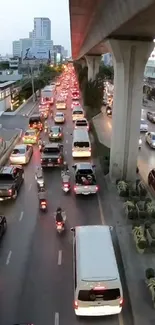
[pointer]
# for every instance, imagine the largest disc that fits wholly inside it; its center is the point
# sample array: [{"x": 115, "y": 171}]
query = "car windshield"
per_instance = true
[
  {"x": 82, "y": 144},
  {"x": 51, "y": 150},
  {"x": 59, "y": 114},
  {"x": 34, "y": 120},
  {"x": 81, "y": 123},
  {"x": 78, "y": 112},
  {"x": 31, "y": 132},
  {"x": 143, "y": 122},
  {"x": 99, "y": 295},
  {"x": 55, "y": 130},
  {"x": 18, "y": 151}
]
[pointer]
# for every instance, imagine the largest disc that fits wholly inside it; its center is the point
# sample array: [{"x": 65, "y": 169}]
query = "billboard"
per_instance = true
[{"x": 35, "y": 53}]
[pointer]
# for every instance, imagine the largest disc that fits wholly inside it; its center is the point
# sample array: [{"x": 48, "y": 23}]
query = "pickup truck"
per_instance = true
[
  {"x": 11, "y": 178},
  {"x": 85, "y": 179},
  {"x": 52, "y": 155}
]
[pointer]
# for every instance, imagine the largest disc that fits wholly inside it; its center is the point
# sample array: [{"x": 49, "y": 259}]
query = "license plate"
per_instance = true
[
  {"x": 50, "y": 165},
  {"x": 86, "y": 193},
  {"x": 59, "y": 227}
]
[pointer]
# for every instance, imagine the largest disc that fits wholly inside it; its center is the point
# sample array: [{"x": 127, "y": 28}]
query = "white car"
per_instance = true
[
  {"x": 143, "y": 126},
  {"x": 150, "y": 139},
  {"x": 21, "y": 154},
  {"x": 82, "y": 123},
  {"x": 59, "y": 117},
  {"x": 77, "y": 113}
]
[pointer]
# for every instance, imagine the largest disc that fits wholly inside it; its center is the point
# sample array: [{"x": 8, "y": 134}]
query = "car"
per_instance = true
[
  {"x": 61, "y": 103},
  {"x": 36, "y": 122},
  {"x": 82, "y": 123},
  {"x": 151, "y": 116},
  {"x": 3, "y": 225},
  {"x": 31, "y": 136},
  {"x": 52, "y": 155},
  {"x": 151, "y": 178},
  {"x": 59, "y": 117},
  {"x": 21, "y": 154},
  {"x": 55, "y": 133},
  {"x": 77, "y": 113},
  {"x": 11, "y": 179},
  {"x": 150, "y": 139},
  {"x": 143, "y": 126}
]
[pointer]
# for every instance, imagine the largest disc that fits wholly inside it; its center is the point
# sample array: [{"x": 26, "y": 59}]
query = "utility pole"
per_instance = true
[{"x": 32, "y": 80}]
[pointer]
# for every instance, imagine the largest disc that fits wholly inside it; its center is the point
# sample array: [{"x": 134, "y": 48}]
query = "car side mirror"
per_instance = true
[
  {"x": 93, "y": 166},
  {"x": 72, "y": 229},
  {"x": 71, "y": 133},
  {"x": 73, "y": 166}
]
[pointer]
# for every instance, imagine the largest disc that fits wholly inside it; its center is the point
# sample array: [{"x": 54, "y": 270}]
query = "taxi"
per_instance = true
[{"x": 31, "y": 136}]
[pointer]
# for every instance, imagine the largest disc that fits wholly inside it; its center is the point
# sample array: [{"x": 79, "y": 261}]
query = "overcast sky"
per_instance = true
[{"x": 16, "y": 21}]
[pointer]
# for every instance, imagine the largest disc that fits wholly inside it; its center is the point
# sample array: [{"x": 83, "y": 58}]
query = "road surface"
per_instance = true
[{"x": 36, "y": 280}]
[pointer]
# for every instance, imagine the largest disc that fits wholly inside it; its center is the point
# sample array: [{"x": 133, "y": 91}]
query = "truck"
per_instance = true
[
  {"x": 52, "y": 155},
  {"x": 84, "y": 179},
  {"x": 48, "y": 94},
  {"x": 11, "y": 178}
]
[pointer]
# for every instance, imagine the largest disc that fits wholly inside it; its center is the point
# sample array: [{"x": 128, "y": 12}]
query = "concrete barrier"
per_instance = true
[{"x": 9, "y": 149}]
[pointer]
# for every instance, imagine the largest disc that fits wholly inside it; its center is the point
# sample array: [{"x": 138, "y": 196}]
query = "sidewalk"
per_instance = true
[
  {"x": 28, "y": 108},
  {"x": 134, "y": 263}
]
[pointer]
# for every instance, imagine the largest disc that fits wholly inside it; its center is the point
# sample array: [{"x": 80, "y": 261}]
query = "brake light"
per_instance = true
[
  {"x": 75, "y": 304},
  {"x": 121, "y": 302},
  {"x": 23, "y": 138},
  {"x": 60, "y": 134},
  {"x": 89, "y": 149},
  {"x": 75, "y": 188},
  {"x": 10, "y": 192},
  {"x": 97, "y": 188},
  {"x": 43, "y": 203},
  {"x": 99, "y": 288},
  {"x": 66, "y": 185},
  {"x": 59, "y": 160},
  {"x": 75, "y": 127},
  {"x": 59, "y": 223}
]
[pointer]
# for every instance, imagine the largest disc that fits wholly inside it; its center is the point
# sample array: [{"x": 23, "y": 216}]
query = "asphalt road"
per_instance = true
[
  {"x": 36, "y": 281},
  {"x": 146, "y": 157}
]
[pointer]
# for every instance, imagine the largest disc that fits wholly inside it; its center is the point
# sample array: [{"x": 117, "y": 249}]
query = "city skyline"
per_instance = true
[{"x": 25, "y": 21}]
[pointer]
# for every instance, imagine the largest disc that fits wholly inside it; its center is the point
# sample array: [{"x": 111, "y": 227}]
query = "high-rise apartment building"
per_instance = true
[
  {"x": 42, "y": 28},
  {"x": 16, "y": 48}
]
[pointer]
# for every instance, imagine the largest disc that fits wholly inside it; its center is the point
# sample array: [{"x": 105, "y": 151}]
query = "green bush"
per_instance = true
[{"x": 149, "y": 273}]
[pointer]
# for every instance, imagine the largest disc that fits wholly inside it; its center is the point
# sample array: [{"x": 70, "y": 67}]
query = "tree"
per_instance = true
[
  {"x": 4, "y": 65},
  {"x": 106, "y": 72}
]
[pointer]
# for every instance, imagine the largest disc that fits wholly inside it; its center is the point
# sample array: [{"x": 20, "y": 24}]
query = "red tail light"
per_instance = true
[
  {"x": 41, "y": 160},
  {"x": 75, "y": 305},
  {"x": 59, "y": 160},
  {"x": 43, "y": 203},
  {"x": 10, "y": 192},
  {"x": 23, "y": 138},
  {"x": 75, "y": 188},
  {"x": 89, "y": 149},
  {"x": 59, "y": 223},
  {"x": 121, "y": 302},
  {"x": 60, "y": 134},
  {"x": 97, "y": 188},
  {"x": 66, "y": 185}
]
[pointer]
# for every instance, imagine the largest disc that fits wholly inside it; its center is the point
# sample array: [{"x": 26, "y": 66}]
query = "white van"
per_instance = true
[
  {"x": 97, "y": 285},
  {"x": 81, "y": 146}
]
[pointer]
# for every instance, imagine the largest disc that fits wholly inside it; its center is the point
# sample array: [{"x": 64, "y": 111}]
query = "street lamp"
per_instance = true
[{"x": 32, "y": 80}]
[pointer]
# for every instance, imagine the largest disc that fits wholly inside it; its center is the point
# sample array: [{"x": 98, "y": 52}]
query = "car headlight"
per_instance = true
[{"x": 140, "y": 141}]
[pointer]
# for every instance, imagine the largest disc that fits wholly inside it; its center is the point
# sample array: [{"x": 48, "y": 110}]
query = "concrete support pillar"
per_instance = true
[
  {"x": 83, "y": 63},
  {"x": 93, "y": 63},
  {"x": 130, "y": 58}
]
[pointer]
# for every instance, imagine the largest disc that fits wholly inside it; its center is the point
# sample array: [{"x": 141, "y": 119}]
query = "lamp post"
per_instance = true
[{"x": 32, "y": 80}]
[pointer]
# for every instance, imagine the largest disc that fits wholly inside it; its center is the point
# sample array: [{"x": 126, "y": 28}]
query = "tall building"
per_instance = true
[
  {"x": 58, "y": 49},
  {"x": 16, "y": 48},
  {"x": 43, "y": 43},
  {"x": 42, "y": 28},
  {"x": 31, "y": 34}
]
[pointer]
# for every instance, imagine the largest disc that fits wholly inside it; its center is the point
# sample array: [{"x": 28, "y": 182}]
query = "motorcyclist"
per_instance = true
[
  {"x": 39, "y": 177},
  {"x": 59, "y": 216},
  {"x": 65, "y": 169},
  {"x": 42, "y": 196}
]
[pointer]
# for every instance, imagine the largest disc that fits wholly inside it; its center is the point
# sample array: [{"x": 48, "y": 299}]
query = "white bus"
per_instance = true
[
  {"x": 81, "y": 145},
  {"x": 48, "y": 94},
  {"x": 97, "y": 285}
]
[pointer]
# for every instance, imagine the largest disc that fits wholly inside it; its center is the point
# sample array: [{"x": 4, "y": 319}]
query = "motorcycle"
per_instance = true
[
  {"x": 66, "y": 187},
  {"x": 43, "y": 205},
  {"x": 66, "y": 182},
  {"x": 60, "y": 227}
]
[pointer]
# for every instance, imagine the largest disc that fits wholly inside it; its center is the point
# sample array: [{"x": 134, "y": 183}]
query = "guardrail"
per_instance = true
[{"x": 6, "y": 154}]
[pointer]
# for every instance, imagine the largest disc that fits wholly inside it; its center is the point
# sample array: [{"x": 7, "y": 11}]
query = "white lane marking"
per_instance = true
[
  {"x": 120, "y": 319},
  {"x": 66, "y": 141},
  {"x": 65, "y": 152},
  {"x": 101, "y": 210},
  {"x": 8, "y": 258},
  {"x": 59, "y": 257},
  {"x": 21, "y": 216},
  {"x": 56, "y": 319},
  {"x": 30, "y": 187}
]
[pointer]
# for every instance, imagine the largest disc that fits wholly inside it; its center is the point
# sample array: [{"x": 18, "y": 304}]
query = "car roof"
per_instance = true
[
  {"x": 35, "y": 115},
  {"x": 84, "y": 165},
  {"x": 52, "y": 145},
  {"x": 59, "y": 113},
  {"x": 30, "y": 130},
  {"x": 7, "y": 169},
  {"x": 78, "y": 108},
  {"x": 152, "y": 133}
]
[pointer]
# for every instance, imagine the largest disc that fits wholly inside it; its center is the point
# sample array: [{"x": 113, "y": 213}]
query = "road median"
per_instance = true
[{"x": 6, "y": 153}]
